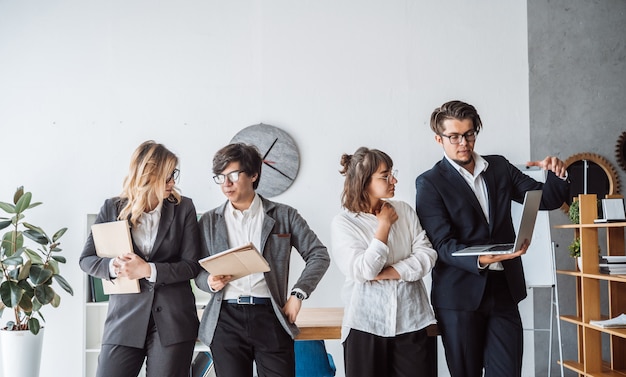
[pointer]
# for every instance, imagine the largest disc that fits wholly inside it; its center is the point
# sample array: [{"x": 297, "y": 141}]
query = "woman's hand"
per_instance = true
[
  {"x": 388, "y": 273},
  {"x": 386, "y": 216},
  {"x": 132, "y": 266}
]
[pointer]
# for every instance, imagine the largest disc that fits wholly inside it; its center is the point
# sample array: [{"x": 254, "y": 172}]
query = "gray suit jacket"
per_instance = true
[
  {"x": 283, "y": 228},
  {"x": 169, "y": 300}
]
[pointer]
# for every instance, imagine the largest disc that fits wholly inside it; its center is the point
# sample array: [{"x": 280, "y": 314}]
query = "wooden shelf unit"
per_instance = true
[{"x": 588, "y": 287}]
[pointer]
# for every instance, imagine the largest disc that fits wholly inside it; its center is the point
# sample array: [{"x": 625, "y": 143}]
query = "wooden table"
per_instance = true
[{"x": 319, "y": 323}]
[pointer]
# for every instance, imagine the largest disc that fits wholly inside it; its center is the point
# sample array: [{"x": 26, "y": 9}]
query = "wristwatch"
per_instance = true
[{"x": 298, "y": 295}]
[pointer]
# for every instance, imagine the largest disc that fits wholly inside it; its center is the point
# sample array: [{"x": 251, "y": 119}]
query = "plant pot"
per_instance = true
[
  {"x": 579, "y": 263},
  {"x": 21, "y": 353}
]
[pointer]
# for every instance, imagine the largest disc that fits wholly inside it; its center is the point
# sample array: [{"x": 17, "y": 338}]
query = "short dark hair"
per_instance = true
[
  {"x": 454, "y": 110},
  {"x": 248, "y": 156}
]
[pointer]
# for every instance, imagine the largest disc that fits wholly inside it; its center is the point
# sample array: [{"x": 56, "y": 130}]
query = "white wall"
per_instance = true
[{"x": 82, "y": 83}]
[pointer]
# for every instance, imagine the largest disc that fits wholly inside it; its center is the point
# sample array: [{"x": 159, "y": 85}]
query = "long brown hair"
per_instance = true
[
  {"x": 358, "y": 170},
  {"x": 150, "y": 166}
]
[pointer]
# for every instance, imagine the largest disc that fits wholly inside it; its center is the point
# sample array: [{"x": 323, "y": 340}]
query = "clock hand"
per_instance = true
[
  {"x": 271, "y": 146},
  {"x": 280, "y": 172}
]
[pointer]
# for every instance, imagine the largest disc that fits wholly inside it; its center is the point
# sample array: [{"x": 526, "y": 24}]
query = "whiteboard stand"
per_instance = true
[{"x": 554, "y": 304}]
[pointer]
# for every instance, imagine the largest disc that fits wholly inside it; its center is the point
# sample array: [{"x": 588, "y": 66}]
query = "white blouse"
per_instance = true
[{"x": 385, "y": 307}]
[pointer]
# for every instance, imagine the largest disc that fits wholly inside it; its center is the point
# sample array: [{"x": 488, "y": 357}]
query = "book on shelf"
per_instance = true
[
  {"x": 238, "y": 261},
  {"x": 97, "y": 290},
  {"x": 202, "y": 365},
  {"x": 617, "y": 322},
  {"x": 611, "y": 259},
  {"x": 613, "y": 271},
  {"x": 111, "y": 240}
]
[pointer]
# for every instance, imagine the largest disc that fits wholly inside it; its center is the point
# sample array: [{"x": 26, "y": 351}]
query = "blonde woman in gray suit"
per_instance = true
[{"x": 160, "y": 323}]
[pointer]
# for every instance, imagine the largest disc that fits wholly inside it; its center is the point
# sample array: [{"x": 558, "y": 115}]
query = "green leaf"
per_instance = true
[
  {"x": 64, "y": 284},
  {"x": 33, "y": 325},
  {"x": 24, "y": 271},
  {"x": 39, "y": 275},
  {"x": 26, "y": 303},
  {"x": 4, "y": 224},
  {"x": 56, "y": 301},
  {"x": 23, "y": 202},
  {"x": 37, "y": 236},
  {"x": 7, "y": 207},
  {"x": 12, "y": 241},
  {"x": 44, "y": 294},
  {"x": 33, "y": 205},
  {"x": 18, "y": 194},
  {"x": 5, "y": 294},
  {"x": 13, "y": 261},
  {"x": 33, "y": 256},
  {"x": 53, "y": 266},
  {"x": 59, "y": 258},
  {"x": 58, "y": 234},
  {"x": 11, "y": 293}
]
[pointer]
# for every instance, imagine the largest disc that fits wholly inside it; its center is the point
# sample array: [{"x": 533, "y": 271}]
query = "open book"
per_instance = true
[
  {"x": 617, "y": 322},
  {"x": 112, "y": 239},
  {"x": 238, "y": 262}
]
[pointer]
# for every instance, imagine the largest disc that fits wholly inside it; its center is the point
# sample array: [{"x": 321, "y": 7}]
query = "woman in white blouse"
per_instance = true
[{"x": 381, "y": 248}]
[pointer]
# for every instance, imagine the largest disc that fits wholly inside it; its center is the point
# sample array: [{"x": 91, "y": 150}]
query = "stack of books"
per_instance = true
[{"x": 613, "y": 264}]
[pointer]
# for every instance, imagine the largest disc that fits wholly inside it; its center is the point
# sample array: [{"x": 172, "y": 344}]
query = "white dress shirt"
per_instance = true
[
  {"x": 476, "y": 182},
  {"x": 245, "y": 227},
  {"x": 384, "y": 307},
  {"x": 144, "y": 235}
]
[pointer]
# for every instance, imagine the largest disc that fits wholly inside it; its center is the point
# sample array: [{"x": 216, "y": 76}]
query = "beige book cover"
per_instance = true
[
  {"x": 238, "y": 261},
  {"x": 112, "y": 239}
]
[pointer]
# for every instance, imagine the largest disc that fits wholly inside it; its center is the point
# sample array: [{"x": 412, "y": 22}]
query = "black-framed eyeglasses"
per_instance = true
[
  {"x": 173, "y": 176},
  {"x": 233, "y": 177},
  {"x": 456, "y": 138},
  {"x": 390, "y": 176}
]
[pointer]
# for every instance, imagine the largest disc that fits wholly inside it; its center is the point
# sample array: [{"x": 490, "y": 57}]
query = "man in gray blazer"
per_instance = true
[{"x": 252, "y": 318}]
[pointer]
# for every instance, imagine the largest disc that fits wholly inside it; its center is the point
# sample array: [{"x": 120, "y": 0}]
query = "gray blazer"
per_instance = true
[
  {"x": 169, "y": 300},
  {"x": 283, "y": 228}
]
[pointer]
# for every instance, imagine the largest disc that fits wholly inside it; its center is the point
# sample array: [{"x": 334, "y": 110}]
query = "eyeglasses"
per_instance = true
[
  {"x": 173, "y": 176},
  {"x": 233, "y": 177},
  {"x": 389, "y": 177},
  {"x": 456, "y": 138}
]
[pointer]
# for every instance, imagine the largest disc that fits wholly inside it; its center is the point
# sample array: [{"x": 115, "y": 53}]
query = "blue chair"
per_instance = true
[{"x": 312, "y": 360}]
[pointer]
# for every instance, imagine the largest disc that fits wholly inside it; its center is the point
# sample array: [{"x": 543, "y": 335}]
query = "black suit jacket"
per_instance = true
[
  {"x": 170, "y": 299},
  {"x": 453, "y": 219}
]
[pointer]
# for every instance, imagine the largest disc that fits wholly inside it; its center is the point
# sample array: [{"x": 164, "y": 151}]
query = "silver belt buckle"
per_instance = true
[{"x": 247, "y": 300}]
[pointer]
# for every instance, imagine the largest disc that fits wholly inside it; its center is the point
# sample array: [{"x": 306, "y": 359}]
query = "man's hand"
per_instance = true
[
  {"x": 488, "y": 259},
  {"x": 218, "y": 282},
  {"x": 292, "y": 308},
  {"x": 550, "y": 163}
]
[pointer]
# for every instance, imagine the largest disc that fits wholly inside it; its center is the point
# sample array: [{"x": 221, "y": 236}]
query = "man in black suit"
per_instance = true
[{"x": 464, "y": 200}]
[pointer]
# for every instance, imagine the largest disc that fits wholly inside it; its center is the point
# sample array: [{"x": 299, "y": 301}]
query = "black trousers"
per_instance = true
[
  {"x": 490, "y": 337},
  {"x": 367, "y": 355},
  {"x": 249, "y": 333},
  {"x": 161, "y": 361}
]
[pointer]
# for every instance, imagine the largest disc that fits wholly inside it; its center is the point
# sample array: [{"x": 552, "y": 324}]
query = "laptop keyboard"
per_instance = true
[{"x": 503, "y": 247}]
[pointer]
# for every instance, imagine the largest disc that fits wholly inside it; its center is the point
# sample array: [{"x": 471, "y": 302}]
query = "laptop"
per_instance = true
[{"x": 526, "y": 227}]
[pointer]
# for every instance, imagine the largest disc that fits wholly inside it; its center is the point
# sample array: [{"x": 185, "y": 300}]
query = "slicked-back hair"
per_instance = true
[
  {"x": 150, "y": 166},
  {"x": 358, "y": 169},
  {"x": 248, "y": 156},
  {"x": 454, "y": 110}
]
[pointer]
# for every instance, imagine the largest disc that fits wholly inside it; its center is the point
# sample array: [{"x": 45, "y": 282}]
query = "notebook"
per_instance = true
[{"x": 526, "y": 227}]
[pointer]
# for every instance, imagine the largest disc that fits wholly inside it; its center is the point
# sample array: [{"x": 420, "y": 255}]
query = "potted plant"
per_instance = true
[{"x": 26, "y": 276}]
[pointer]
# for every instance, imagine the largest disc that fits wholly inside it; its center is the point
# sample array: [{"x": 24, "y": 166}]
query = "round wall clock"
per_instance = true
[
  {"x": 620, "y": 150},
  {"x": 281, "y": 159}
]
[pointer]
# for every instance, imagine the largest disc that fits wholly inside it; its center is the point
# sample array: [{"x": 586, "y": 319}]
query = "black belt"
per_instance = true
[{"x": 250, "y": 300}]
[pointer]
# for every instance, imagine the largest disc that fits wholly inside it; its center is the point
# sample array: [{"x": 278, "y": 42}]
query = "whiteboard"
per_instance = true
[{"x": 537, "y": 261}]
